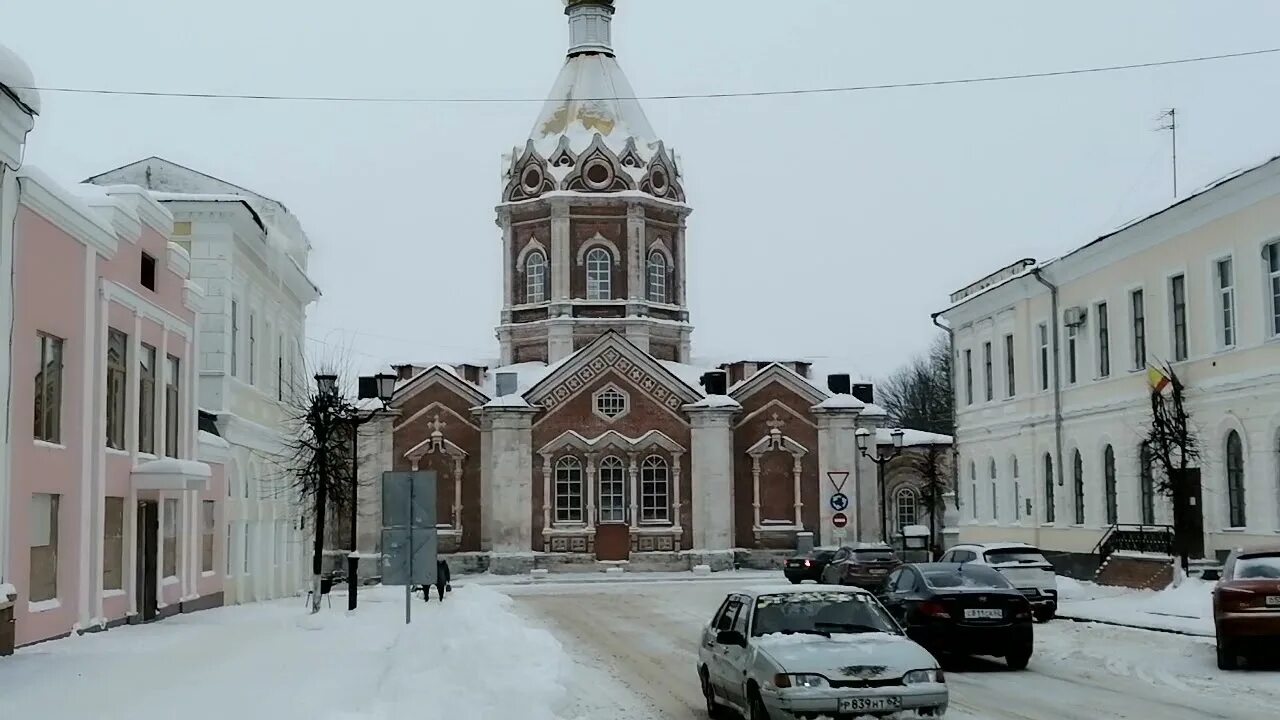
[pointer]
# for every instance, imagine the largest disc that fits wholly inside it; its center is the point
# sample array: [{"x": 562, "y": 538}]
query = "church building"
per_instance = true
[{"x": 595, "y": 436}]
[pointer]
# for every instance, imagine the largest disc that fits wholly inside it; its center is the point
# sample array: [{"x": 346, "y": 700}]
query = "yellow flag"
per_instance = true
[{"x": 1157, "y": 379}]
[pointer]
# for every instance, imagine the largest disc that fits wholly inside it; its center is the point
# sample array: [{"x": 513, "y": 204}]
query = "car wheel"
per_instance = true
[
  {"x": 755, "y": 706},
  {"x": 794, "y": 580},
  {"x": 1044, "y": 616},
  {"x": 715, "y": 711},
  {"x": 1227, "y": 659},
  {"x": 1019, "y": 659}
]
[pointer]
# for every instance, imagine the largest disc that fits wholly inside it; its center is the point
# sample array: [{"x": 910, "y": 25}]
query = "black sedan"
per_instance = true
[
  {"x": 962, "y": 609},
  {"x": 808, "y": 566}
]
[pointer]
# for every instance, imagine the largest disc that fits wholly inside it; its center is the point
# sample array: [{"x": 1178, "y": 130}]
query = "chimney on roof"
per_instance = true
[
  {"x": 715, "y": 382},
  {"x": 838, "y": 384},
  {"x": 864, "y": 392},
  {"x": 505, "y": 384}
]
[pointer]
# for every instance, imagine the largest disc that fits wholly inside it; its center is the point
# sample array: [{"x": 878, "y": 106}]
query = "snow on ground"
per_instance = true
[
  {"x": 579, "y": 578},
  {"x": 1186, "y": 607},
  {"x": 469, "y": 658}
]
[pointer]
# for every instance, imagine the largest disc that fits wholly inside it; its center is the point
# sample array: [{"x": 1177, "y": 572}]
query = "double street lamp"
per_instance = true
[
  {"x": 864, "y": 438},
  {"x": 379, "y": 387}
]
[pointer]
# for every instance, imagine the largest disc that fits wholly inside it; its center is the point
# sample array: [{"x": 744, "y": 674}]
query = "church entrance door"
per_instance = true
[{"x": 613, "y": 533}]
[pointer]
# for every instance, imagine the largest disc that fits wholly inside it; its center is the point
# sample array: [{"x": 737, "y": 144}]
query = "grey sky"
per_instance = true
[{"x": 824, "y": 225}]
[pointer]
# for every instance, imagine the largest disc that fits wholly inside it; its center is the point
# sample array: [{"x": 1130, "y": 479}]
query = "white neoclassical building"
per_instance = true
[
  {"x": 1051, "y": 388},
  {"x": 250, "y": 254}
]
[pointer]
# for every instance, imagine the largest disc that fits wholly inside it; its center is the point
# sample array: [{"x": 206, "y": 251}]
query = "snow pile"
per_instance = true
[
  {"x": 468, "y": 658},
  {"x": 1186, "y": 607}
]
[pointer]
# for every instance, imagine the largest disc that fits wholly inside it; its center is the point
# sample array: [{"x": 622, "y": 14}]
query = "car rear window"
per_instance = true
[
  {"x": 874, "y": 556},
  {"x": 823, "y": 555},
  {"x": 1022, "y": 556},
  {"x": 966, "y": 576},
  {"x": 1258, "y": 567}
]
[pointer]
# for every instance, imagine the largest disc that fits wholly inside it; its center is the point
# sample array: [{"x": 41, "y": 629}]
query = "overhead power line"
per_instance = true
[{"x": 689, "y": 96}]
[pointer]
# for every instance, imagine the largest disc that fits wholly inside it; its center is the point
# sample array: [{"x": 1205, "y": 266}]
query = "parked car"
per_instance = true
[
  {"x": 964, "y": 609},
  {"x": 814, "y": 650},
  {"x": 863, "y": 565},
  {"x": 808, "y": 566},
  {"x": 1246, "y": 606},
  {"x": 1021, "y": 564}
]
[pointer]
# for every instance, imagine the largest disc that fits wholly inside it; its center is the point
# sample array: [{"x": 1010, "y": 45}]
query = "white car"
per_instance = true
[
  {"x": 810, "y": 651},
  {"x": 1022, "y": 565}
]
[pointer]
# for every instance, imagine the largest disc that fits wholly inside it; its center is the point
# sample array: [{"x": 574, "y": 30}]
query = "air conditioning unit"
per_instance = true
[{"x": 1074, "y": 316}]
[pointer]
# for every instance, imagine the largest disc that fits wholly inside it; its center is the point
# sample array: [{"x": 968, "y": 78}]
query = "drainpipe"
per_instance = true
[
  {"x": 1057, "y": 376},
  {"x": 955, "y": 428}
]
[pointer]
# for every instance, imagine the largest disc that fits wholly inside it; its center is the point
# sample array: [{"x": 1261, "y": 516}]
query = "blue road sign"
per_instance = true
[{"x": 839, "y": 502}]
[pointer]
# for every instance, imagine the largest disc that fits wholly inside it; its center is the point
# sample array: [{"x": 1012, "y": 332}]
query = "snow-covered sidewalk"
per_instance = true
[
  {"x": 469, "y": 658},
  {"x": 1186, "y": 608}
]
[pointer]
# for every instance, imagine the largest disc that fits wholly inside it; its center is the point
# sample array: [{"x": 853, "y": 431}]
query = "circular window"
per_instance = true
[
  {"x": 658, "y": 179},
  {"x": 532, "y": 178},
  {"x": 598, "y": 174}
]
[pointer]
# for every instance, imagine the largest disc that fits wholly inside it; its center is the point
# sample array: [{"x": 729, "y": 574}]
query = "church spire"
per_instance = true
[{"x": 590, "y": 24}]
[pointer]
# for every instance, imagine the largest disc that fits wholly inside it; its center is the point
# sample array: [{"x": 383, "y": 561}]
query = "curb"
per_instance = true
[
  {"x": 625, "y": 579},
  {"x": 1112, "y": 623}
]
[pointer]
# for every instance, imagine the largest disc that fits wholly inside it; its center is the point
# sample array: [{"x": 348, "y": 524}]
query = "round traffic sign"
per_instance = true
[
  {"x": 839, "y": 519},
  {"x": 839, "y": 502}
]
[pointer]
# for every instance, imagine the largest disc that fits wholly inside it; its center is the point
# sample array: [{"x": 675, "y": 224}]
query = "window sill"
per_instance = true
[
  {"x": 117, "y": 452},
  {"x": 1234, "y": 530},
  {"x": 171, "y": 580},
  {"x": 43, "y": 606},
  {"x": 113, "y": 593},
  {"x": 208, "y": 574},
  {"x": 147, "y": 456},
  {"x": 49, "y": 445}
]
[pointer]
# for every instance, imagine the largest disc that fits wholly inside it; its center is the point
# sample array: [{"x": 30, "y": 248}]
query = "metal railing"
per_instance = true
[{"x": 1136, "y": 538}]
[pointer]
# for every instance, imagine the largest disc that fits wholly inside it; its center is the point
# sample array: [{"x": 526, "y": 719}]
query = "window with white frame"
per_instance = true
[
  {"x": 147, "y": 399},
  {"x": 169, "y": 563},
  {"x": 995, "y": 493},
  {"x": 117, "y": 387},
  {"x": 613, "y": 491},
  {"x": 1273, "y": 275},
  {"x": 1017, "y": 490},
  {"x": 1237, "y": 518},
  {"x": 655, "y": 490},
  {"x": 1050, "y": 508},
  {"x": 1104, "y": 341},
  {"x": 1078, "y": 478},
  {"x": 1010, "y": 371},
  {"x": 1042, "y": 338},
  {"x": 208, "y": 524},
  {"x": 42, "y": 527},
  {"x": 568, "y": 490},
  {"x": 907, "y": 503},
  {"x": 1146, "y": 484},
  {"x": 968, "y": 377},
  {"x": 988, "y": 374},
  {"x": 247, "y": 547},
  {"x": 1178, "y": 307},
  {"x": 657, "y": 285},
  {"x": 599, "y": 274},
  {"x": 113, "y": 544},
  {"x": 173, "y": 406},
  {"x": 1109, "y": 485},
  {"x": 1224, "y": 277},
  {"x": 227, "y": 550},
  {"x": 1138, "y": 315},
  {"x": 1072, "y": 335},
  {"x": 48, "y": 395},
  {"x": 611, "y": 403},
  {"x": 535, "y": 277},
  {"x": 973, "y": 487}
]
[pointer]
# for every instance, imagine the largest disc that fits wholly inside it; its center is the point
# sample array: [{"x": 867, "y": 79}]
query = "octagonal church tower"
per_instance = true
[{"x": 592, "y": 215}]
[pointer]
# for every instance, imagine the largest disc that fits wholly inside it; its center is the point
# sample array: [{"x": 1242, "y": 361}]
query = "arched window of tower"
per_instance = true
[
  {"x": 599, "y": 274},
  {"x": 535, "y": 277},
  {"x": 657, "y": 277}
]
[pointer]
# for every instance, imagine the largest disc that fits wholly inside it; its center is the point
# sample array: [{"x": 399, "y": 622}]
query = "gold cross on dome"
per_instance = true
[{"x": 776, "y": 422}]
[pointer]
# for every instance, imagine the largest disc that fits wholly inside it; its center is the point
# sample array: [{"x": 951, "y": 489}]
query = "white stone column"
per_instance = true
[
  {"x": 755, "y": 492},
  {"x": 559, "y": 339},
  {"x": 636, "y": 256},
  {"x": 457, "y": 496},
  {"x": 511, "y": 479},
  {"x": 837, "y": 460},
  {"x": 681, "y": 264},
  {"x": 546, "y": 491},
  {"x": 867, "y": 507},
  {"x": 799, "y": 501},
  {"x": 634, "y": 472},
  {"x": 508, "y": 263},
  {"x": 560, "y": 264},
  {"x": 590, "y": 518},
  {"x": 711, "y": 472},
  {"x": 486, "y": 479},
  {"x": 676, "y": 503}
]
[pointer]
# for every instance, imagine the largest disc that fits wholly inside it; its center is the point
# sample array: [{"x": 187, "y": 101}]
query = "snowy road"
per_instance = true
[{"x": 636, "y": 645}]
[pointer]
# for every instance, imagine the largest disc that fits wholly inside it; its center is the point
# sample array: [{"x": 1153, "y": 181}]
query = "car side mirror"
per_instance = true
[{"x": 731, "y": 637}]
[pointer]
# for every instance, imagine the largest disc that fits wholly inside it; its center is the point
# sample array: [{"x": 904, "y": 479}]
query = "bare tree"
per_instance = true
[
  {"x": 919, "y": 394},
  {"x": 1173, "y": 448},
  {"x": 930, "y": 463}
]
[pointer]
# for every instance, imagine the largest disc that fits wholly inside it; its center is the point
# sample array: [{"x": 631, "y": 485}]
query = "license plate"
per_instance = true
[
  {"x": 878, "y": 572},
  {"x": 869, "y": 704},
  {"x": 1273, "y": 601},
  {"x": 983, "y": 613}
]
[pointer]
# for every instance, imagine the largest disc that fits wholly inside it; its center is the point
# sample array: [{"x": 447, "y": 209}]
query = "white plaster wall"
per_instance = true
[
  {"x": 511, "y": 480},
  {"x": 711, "y": 465},
  {"x": 837, "y": 452}
]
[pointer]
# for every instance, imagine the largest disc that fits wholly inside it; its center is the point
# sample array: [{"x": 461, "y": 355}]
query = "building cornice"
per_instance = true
[{"x": 46, "y": 198}]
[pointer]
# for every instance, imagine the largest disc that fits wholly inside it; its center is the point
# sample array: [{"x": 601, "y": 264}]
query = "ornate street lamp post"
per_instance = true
[{"x": 864, "y": 440}]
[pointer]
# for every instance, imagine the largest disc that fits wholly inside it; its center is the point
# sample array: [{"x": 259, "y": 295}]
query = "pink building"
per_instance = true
[{"x": 111, "y": 520}]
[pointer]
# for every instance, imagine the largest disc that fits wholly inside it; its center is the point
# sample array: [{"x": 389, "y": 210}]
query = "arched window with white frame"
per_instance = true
[
  {"x": 1109, "y": 485},
  {"x": 657, "y": 284},
  {"x": 655, "y": 490},
  {"x": 1017, "y": 489},
  {"x": 1050, "y": 508},
  {"x": 613, "y": 491},
  {"x": 973, "y": 487},
  {"x": 599, "y": 274},
  {"x": 535, "y": 277},
  {"x": 995, "y": 492},
  {"x": 568, "y": 496},
  {"x": 1237, "y": 517},
  {"x": 906, "y": 502}
]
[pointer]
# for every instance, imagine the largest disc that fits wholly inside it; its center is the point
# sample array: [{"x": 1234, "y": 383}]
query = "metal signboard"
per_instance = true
[{"x": 409, "y": 531}]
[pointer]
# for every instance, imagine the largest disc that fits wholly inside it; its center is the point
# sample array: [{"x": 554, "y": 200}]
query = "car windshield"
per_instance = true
[
  {"x": 819, "y": 613},
  {"x": 966, "y": 576},
  {"x": 1258, "y": 567},
  {"x": 873, "y": 556},
  {"x": 1021, "y": 556}
]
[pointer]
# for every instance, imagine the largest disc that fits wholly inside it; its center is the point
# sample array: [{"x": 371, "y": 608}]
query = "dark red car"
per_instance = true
[{"x": 1246, "y": 606}]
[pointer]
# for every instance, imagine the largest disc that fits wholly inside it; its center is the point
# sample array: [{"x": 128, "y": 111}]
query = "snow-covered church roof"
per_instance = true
[{"x": 16, "y": 77}]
